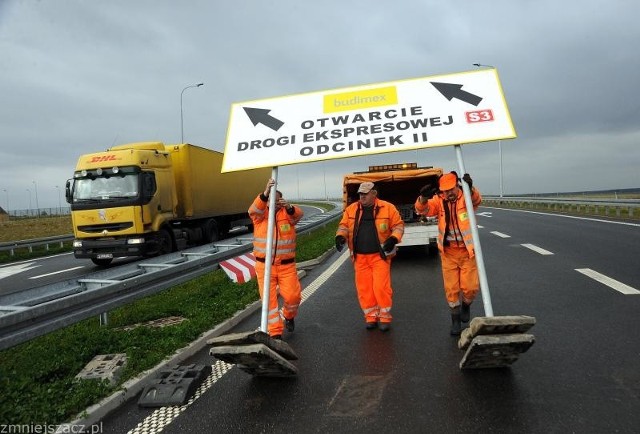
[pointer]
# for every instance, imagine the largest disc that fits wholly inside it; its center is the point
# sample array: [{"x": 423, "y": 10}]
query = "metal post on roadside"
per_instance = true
[
  {"x": 269, "y": 253},
  {"x": 181, "y": 111},
  {"x": 37, "y": 204},
  {"x": 484, "y": 283},
  {"x": 256, "y": 352}
]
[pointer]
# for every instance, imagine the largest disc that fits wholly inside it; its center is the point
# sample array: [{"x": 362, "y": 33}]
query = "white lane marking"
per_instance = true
[
  {"x": 611, "y": 283},
  {"x": 160, "y": 418},
  {"x": 500, "y": 234},
  {"x": 56, "y": 272},
  {"x": 484, "y": 214},
  {"x": 569, "y": 217},
  {"x": 6, "y": 271},
  {"x": 537, "y": 249}
]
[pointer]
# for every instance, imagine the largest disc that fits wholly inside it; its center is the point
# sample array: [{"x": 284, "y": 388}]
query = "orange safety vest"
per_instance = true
[
  {"x": 284, "y": 236},
  {"x": 386, "y": 217},
  {"x": 461, "y": 227}
]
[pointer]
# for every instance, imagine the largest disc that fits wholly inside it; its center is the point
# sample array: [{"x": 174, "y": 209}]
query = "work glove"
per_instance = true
[
  {"x": 428, "y": 191},
  {"x": 388, "y": 245},
  {"x": 468, "y": 180},
  {"x": 340, "y": 240}
]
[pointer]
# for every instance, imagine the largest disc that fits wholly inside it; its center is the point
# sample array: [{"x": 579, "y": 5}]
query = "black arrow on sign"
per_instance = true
[
  {"x": 451, "y": 91},
  {"x": 261, "y": 116}
]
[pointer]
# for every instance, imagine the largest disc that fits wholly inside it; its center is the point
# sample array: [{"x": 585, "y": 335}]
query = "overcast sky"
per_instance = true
[{"x": 78, "y": 76}]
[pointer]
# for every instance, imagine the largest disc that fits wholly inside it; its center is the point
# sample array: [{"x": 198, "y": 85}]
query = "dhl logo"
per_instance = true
[{"x": 103, "y": 158}]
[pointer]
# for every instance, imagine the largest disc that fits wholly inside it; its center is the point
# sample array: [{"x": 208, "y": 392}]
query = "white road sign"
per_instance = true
[{"x": 444, "y": 110}]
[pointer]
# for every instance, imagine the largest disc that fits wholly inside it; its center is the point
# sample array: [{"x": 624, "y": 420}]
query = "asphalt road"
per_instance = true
[{"x": 581, "y": 376}]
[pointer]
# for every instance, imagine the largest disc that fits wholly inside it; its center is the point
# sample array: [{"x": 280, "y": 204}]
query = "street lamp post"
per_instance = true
[
  {"x": 59, "y": 202},
  {"x": 181, "y": 111},
  {"x": 37, "y": 204},
  {"x": 29, "y": 201},
  {"x": 480, "y": 65},
  {"x": 501, "y": 183},
  {"x": 7, "y": 194}
]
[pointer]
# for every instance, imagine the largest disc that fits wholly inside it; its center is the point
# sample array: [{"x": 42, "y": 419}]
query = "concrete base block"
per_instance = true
[
  {"x": 255, "y": 337},
  {"x": 104, "y": 367},
  {"x": 495, "y": 325},
  {"x": 495, "y": 351},
  {"x": 255, "y": 359}
]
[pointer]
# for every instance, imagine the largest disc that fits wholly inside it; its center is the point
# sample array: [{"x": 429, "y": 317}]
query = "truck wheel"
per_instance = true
[
  {"x": 211, "y": 232},
  {"x": 101, "y": 262},
  {"x": 165, "y": 243},
  {"x": 223, "y": 230}
]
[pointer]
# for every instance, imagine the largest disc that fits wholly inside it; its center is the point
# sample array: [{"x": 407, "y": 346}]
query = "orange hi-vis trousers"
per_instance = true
[
  {"x": 460, "y": 274},
  {"x": 373, "y": 284},
  {"x": 284, "y": 283}
]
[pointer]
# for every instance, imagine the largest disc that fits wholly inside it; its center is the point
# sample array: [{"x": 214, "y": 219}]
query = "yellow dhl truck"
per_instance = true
[
  {"x": 150, "y": 198},
  {"x": 399, "y": 184}
]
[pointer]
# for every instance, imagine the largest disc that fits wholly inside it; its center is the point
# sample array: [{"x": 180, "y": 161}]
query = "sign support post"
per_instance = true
[
  {"x": 490, "y": 342},
  {"x": 255, "y": 352},
  {"x": 269, "y": 254},
  {"x": 484, "y": 284}
]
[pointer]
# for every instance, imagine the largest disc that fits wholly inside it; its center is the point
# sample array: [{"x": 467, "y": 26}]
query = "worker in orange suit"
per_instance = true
[
  {"x": 284, "y": 281},
  {"x": 372, "y": 227},
  {"x": 455, "y": 242}
]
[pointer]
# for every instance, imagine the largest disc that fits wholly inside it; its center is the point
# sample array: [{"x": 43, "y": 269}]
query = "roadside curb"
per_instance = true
[{"x": 129, "y": 389}]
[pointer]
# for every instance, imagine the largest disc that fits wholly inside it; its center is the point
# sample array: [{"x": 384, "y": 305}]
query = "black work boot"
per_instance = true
[
  {"x": 465, "y": 312},
  {"x": 290, "y": 324},
  {"x": 456, "y": 326}
]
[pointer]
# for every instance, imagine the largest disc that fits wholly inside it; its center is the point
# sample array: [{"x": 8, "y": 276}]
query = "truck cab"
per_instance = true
[{"x": 119, "y": 200}]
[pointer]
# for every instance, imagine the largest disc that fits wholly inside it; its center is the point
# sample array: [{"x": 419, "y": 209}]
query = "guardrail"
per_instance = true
[
  {"x": 620, "y": 207},
  {"x": 37, "y": 311},
  {"x": 11, "y": 246}
]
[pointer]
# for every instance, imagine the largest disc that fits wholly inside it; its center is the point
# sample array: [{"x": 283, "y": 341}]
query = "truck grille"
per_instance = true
[{"x": 108, "y": 227}]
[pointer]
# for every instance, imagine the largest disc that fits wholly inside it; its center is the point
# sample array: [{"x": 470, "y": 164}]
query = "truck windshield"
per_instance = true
[{"x": 102, "y": 187}]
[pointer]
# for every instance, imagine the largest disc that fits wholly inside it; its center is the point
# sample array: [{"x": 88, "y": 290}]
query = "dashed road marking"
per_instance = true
[
  {"x": 537, "y": 249},
  {"x": 55, "y": 272},
  {"x": 611, "y": 283},
  {"x": 500, "y": 234}
]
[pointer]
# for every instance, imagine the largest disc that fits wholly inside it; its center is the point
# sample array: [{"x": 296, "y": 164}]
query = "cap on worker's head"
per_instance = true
[
  {"x": 448, "y": 181},
  {"x": 366, "y": 187}
]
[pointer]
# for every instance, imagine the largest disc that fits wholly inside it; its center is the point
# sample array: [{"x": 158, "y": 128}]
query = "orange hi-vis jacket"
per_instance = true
[
  {"x": 459, "y": 223},
  {"x": 284, "y": 234},
  {"x": 387, "y": 220}
]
